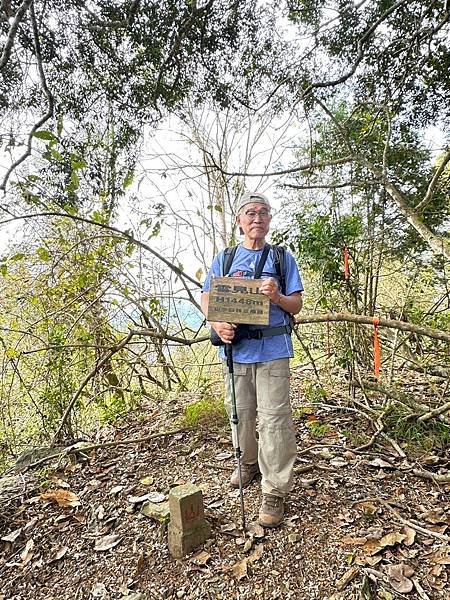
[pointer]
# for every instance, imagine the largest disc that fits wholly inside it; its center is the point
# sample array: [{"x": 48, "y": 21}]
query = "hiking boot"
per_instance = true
[
  {"x": 271, "y": 512},
  {"x": 248, "y": 474}
]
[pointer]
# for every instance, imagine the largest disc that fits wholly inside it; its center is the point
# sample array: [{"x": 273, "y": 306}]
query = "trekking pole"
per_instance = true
[{"x": 234, "y": 427}]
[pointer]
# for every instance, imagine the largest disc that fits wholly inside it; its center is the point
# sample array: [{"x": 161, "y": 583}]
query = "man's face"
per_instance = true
[{"x": 254, "y": 218}]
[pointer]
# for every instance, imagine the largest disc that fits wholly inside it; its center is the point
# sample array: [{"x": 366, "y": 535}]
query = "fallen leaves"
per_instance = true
[
  {"x": 435, "y": 516},
  {"x": 12, "y": 537},
  {"x": 240, "y": 569},
  {"x": 61, "y": 497},
  {"x": 372, "y": 547},
  {"x": 346, "y": 578},
  {"x": 399, "y": 575},
  {"x": 223, "y": 456},
  {"x": 309, "y": 538},
  {"x": 147, "y": 480},
  {"x": 256, "y": 530},
  {"x": 441, "y": 556},
  {"x": 154, "y": 497},
  {"x": 201, "y": 558},
  {"x": 350, "y": 540},
  {"x": 410, "y": 535},
  {"x": 59, "y": 554},
  {"x": 27, "y": 553},
  {"x": 257, "y": 554},
  {"x": 107, "y": 542},
  {"x": 379, "y": 463}
]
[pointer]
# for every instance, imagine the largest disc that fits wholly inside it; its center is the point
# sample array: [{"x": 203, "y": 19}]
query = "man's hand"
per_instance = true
[
  {"x": 269, "y": 287},
  {"x": 225, "y": 331},
  {"x": 290, "y": 304}
]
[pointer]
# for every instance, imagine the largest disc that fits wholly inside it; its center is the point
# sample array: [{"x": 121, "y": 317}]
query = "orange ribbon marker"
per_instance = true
[
  {"x": 376, "y": 348},
  {"x": 346, "y": 264}
]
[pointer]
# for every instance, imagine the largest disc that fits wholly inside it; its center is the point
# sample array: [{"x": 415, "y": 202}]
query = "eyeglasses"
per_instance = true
[{"x": 252, "y": 214}]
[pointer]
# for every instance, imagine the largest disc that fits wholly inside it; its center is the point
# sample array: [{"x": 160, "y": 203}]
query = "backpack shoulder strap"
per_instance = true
[
  {"x": 230, "y": 252},
  {"x": 262, "y": 261},
  {"x": 228, "y": 256},
  {"x": 279, "y": 262}
]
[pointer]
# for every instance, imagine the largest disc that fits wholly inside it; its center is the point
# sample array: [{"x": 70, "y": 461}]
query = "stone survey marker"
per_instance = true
[
  {"x": 237, "y": 300},
  {"x": 187, "y": 527}
]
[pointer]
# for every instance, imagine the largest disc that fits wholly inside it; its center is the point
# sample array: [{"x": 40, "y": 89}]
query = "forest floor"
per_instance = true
[{"x": 358, "y": 525}]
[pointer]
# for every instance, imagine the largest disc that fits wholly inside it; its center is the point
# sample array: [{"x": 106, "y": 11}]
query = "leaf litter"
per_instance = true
[{"x": 313, "y": 555}]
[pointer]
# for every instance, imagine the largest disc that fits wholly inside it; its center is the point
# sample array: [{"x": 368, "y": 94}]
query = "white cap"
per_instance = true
[{"x": 251, "y": 197}]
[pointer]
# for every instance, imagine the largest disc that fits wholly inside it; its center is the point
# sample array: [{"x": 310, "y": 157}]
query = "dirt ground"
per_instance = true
[{"x": 358, "y": 524}]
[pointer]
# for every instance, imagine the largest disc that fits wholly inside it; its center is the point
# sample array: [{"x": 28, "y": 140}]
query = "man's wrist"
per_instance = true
[{"x": 278, "y": 300}]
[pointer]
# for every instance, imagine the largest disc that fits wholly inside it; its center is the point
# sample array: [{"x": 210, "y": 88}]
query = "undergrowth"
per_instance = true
[
  {"x": 317, "y": 429},
  {"x": 205, "y": 413},
  {"x": 414, "y": 435}
]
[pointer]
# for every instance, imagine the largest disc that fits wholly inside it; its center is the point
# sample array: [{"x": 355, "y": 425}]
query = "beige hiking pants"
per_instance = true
[{"x": 262, "y": 391}]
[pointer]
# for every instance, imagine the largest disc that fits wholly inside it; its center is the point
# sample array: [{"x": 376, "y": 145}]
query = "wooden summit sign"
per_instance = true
[{"x": 237, "y": 300}]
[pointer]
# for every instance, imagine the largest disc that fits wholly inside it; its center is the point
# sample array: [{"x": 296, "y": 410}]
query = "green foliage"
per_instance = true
[
  {"x": 302, "y": 411},
  {"x": 318, "y": 242},
  {"x": 356, "y": 436},
  {"x": 305, "y": 11},
  {"x": 114, "y": 406},
  {"x": 317, "y": 429},
  {"x": 64, "y": 309},
  {"x": 205, "y": 414},
  {"x": 416, "y": 437},
  {"x": 45, "y": 135},
  {"x": 58, "y": 386},
  {"x": 115, "y": 67},
  {"x": 314, "y": 392}
]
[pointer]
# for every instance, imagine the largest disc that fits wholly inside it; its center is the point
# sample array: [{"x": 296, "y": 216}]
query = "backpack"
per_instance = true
[{"x": 278, "y": 259}]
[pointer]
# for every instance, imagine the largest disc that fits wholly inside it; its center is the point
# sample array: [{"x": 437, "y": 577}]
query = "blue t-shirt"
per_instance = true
[{"x": 244, "y": 264}]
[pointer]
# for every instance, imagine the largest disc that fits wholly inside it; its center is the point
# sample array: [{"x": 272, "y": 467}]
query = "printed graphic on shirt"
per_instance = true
[{"x": 241, "y": 274}]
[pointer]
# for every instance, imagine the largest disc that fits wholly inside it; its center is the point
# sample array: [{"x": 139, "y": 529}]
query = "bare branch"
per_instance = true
[
  {"x": 440, "y": 410},
  {"x": 82, "y": 447},
  {"x": 169, "y": 338},
  {"x": 121, "y": 344},
  {"x": 307, "y": 167},
  {"x": 331, "y": 186},
  {"x": 13, "y": 31},
  {"x": 438, "y": 244},
  {"x": 367, "y": 320},
  {"x": 418, "y": 528},
  {"x": 85, "y": 381},
  {"x": 50, "y": 101},
  {"x": 433, "y": 183},
  {"x": 359, "y": 54},
  {"x": 122, "y": 24}
]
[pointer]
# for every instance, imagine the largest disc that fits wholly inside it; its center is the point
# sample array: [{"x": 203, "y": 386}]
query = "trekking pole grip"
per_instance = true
[{"x": 229, "y": 355}]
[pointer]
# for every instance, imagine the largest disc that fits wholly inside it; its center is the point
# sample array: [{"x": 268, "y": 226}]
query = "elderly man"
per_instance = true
[{"x": 261, "y": 363}]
